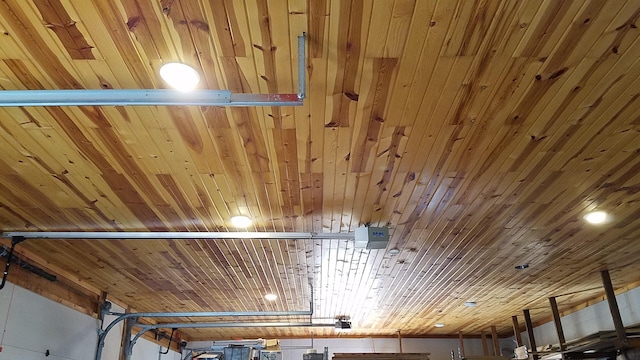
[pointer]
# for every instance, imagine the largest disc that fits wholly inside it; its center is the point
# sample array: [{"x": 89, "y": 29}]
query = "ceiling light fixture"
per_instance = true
[
  {"x": 522, "y": 266},
  {"x": 596, "y": 217},
  {"x": 180, "y": 76},
  {"x": 439, "y": 325},
  {"x": 470, "y": 304},
  {"x": 271, "y": 297},
  {"x": 394, "y": 251},
  {"x": 241, "y": 221}
]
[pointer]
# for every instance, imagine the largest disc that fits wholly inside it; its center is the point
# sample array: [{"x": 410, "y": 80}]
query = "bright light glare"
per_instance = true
[
  {"x": 439, "y": 325},
  {"x": 271, "y": 297},
  {"x": 596, "y": 217},
  {"x": 180, "y": 76},
  {"x": 241, "y": 221}
]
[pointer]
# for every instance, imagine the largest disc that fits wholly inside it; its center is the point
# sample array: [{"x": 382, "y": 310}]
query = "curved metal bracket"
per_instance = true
[{"x": 14, "y": 241}]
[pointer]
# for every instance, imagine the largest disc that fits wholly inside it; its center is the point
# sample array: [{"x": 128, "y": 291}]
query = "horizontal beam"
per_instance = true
[
  {"x": 142, "y": 97},
  {"x": 147, "y": 327},
  {"x": 213, "y": 314},
  {"x": 139, "y": 235}
]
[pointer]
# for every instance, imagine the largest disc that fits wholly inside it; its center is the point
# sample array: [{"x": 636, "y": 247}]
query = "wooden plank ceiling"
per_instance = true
[{"x": 480, "y": 132}]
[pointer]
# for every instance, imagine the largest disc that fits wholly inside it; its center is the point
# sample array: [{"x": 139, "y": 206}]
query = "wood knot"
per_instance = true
[
  {"x": 133, "y": 22},
  {"x": 351, "y": 96}
]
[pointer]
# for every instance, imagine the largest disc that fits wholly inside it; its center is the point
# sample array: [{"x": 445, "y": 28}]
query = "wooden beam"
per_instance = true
[
  {"x": 496, "y": 341},
  {"x": 485, "y": 345},
  {"x": 532, "y": 338},
  {"x": 102, "y": 299},
  {"x": 516, "y": 330},
  {"x": 613, "y": 307},
  {"x": 400, "y": 341},
  {"x": 556, "y": 319},
  {"x": 63, "y": 290},
  {"x": 461, "y": 344}
]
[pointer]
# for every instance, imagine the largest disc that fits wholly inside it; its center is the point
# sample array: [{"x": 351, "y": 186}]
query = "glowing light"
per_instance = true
[
  {"x": 596, "y": 217},
  {"x": 241, "y": 221},
  {"x": 180, "y": 76}
]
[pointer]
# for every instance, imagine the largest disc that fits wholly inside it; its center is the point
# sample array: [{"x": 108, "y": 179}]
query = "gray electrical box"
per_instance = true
[{"x": 372, "y": 237}]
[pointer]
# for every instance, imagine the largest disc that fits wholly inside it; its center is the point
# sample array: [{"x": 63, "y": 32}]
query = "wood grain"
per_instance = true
[{"x": 480, "y": 132}]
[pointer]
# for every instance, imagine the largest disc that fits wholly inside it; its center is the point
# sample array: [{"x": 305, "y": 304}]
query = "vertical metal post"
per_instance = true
[
  {"x": 516, "y": 330},
  {"x": 463, "y": 355},
  {"x": 613, "y": 307},
  {"x": 400, "y": 341},
  {"x": 301, "y": 67},
  {"x": 127, "y": 344},
  {"x": 496, "y": 341},
  {"x": 532, "y": 338},
  {"x": 485, "y": 345},
  {"x": 556, "y": 319}
]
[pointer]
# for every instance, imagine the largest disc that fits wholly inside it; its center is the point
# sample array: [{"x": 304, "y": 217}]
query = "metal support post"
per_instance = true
[
  {"x": 516, "y": 330},
  {"x": 127, "y": 343},
  {"x": 613, "y": 308},
  {"x": 532, "y": 339},
  {"x": 556, "y": 319},
  {"x": 485, "y": 345},
  {"x": 496, "y": 341}
]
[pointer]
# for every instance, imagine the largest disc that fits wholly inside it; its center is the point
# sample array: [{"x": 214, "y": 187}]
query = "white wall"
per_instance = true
[
  {"x": 31, "y": 324},
  {"x": 590, "y": 320},
  {"x": 440, "y": 349}
]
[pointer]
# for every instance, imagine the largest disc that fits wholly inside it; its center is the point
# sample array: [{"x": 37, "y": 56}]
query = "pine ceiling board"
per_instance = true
[{"x": 467, "y": 201}]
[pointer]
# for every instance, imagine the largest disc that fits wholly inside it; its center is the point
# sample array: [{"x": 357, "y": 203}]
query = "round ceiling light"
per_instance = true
[
  {"x": 470, "y": 303},
  {"x": 180, "y": 76},
  {"x": 271, "y": 297},
  {"x": 596, "y": 217},
  {"x": 241, "y": 221},
  {"x": 393, "y": 251},
  {"x": 439, "y": 325}
]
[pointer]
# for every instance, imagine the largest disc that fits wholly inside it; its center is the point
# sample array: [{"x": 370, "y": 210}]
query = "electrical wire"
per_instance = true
[
  {"x": 168, "y": 346},
  {"x": 6, "y": 319}
]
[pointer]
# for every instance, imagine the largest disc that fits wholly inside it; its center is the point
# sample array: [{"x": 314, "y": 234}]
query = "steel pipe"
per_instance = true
[
  {"x": 301, "y": 68},
  {"x": 142, "y": 97},
  {"x": 135, "y": 235}
]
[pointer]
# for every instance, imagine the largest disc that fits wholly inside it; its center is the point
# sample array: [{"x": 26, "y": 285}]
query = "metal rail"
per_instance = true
[
  {"x": 159, "y": 97},
  {"x": 131, "y": 319},
  {"x": 135, "y": 235}
]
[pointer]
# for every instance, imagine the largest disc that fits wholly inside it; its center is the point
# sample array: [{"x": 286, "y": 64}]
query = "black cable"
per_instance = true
[
  {"x": 14, "y": 241},
  {"x": 169, "y": 346}
]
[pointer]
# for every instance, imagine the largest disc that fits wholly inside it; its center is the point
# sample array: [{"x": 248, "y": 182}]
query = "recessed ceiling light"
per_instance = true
[
  {"x": 439, "y": 325},
  {"x": 470, "y": 303},
  {"x": 241, "y": 221},
  {"x": 271, "y": 297},
  {"x": 596, "y": 217},
  {"x": 394, "y": 251},
  {"x": 180, "y": 76}
]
